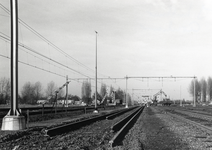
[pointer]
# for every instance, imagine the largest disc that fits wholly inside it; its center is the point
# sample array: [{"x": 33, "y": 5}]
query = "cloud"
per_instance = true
[{"x": 151, "y": 37}]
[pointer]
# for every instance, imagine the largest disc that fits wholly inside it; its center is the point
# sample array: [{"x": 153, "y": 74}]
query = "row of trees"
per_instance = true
[
  {"x": 4, "y": 90},
  {"x": 32, "y": 92},
  {"x": 203, "y": 89},
  {"x": 87, "y": 98}
]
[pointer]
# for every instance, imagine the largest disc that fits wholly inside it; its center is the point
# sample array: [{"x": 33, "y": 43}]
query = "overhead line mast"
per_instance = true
[
  {"x": 148, "y": 77},
  {"x": 14, "y": 120},
  {"x": 96, "y": 111}
]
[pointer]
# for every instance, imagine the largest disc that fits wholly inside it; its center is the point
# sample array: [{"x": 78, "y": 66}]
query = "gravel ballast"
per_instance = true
[
  {"x": 93, "y": 136},
  {"x": 154, "y": 130}
]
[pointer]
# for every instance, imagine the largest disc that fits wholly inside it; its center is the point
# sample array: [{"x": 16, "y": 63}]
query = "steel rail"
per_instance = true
[
  {"x": 195, "y": 114},
  {"x": 203, "y": 127},
  {"x": 118, "y": 113},
  {"x": 208, "y": 129},
  {"x": 119, "y": 136},
  {"x": 76, "y": 125},
  {"x": 117, "y": 126},
  {"x": 192, "y": 113},
  {"x": 206, "y": 109}
]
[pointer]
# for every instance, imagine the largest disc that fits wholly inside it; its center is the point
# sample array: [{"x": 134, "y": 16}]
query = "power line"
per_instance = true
[
  {"x": 42, "y": 69},
  {"x": 30, "y": 49},
  {"x": 41, "y": 59},
  {"x": 49, "y": 42},
  {"x": 100, "y": 78},
  {"x": 75, "y": 79},
  {"x": 35, "y": 66},
  {"x": 45, "y": 39},
  {"x": 160, "y": 77}
]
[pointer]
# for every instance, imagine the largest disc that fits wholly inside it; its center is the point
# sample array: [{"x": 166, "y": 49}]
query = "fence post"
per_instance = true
[
  {"x": 27, "y": 118},
  {"x": 42, "y": 109},
  {"x": 85, "y": 110}
]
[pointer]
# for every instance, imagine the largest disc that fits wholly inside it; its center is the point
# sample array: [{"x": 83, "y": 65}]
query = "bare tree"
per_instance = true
[
  {"x": 111, "y": 94},
  {"x": 51, "y": 88},
  {"x": 203, "y": 86},
  {"x": 61, "y": 93},
  {"x": 86, "y": 89},
  {"x": 120, "y": 94},
  {"x": 209, "y": 88},
  {"x": 28, "y": 93},
  {"x": 129, "y": 99},
  {"x": 38, "y": 90},
  {"x": 5, "y": 88},
  {"x": 111, "y": 90},
  {"x": 103, "y": 90},
  {"x": 197, "y": 89},
  {"x": 86, "y": 92}
]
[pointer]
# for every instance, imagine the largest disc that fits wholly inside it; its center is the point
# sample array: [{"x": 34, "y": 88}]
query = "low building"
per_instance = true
[
  {"x": 42, "y": 101},
  {"x": 69, "y": 102}
]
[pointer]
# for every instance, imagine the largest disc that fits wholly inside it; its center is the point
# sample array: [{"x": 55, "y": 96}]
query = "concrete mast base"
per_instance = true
[
  {"x": 13, "y": 123},
  {"x": 96, "y": 111}
]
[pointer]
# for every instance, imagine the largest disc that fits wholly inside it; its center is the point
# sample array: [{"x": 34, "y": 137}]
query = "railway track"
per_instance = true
[
  {"x": 200, "y": 108},
  {"x": 76, "y": 125},
  {"x": 123, "y": 126},
  {"x": 190, "y": 113},
  {"x": 195, "y": 115},
  {"x": 199, "y": 125},
  {"x": 91, "y": 133},
  {"x": 204, "y": 111},
  {"x": 188, "y": 117}
]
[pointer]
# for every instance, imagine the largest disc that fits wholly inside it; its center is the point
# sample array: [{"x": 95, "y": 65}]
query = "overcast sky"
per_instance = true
[{"x": 135, "y": 38}]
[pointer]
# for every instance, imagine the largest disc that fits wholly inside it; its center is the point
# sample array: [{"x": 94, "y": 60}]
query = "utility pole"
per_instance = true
[
  {"x": 96, "y": 110},
  {"x": 126, "y": 97},
  {"x": 180, "y": 98},
  {"x": 14, "y": 120},
  {"x": 114, "y": 96},
  {"x": 132, "y": 98},
  {"x": 194, "y": 92},
  {"x": 67, "y": 91}
]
